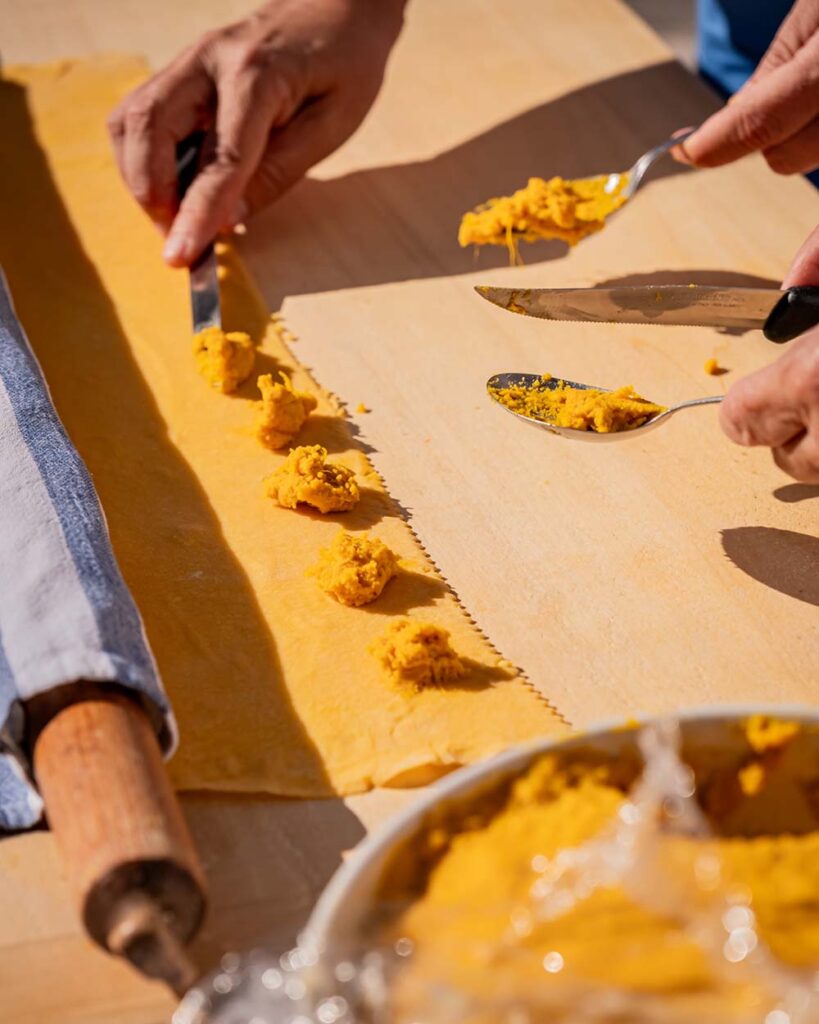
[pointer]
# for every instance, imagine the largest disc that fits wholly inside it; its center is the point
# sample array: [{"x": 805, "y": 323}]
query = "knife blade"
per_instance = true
[
  {"x": 206, "y": 310},
  {"x": 782, "y": 315}
]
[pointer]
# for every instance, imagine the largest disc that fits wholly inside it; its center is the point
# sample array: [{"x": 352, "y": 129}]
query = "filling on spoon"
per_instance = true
[
  {"x": 557, "y": 208},
  {"x": 562, "y": 405}
]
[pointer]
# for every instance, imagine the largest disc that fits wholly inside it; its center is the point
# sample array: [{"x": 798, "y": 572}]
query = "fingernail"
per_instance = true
[
  {"x": 680, "y": 155},
  {"x": 177, "y": 250},
  {"x": 678, "y": 152}
]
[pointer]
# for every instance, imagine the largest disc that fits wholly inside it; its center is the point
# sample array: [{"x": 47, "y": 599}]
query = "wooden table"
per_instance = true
[{"x": 669, "y": 571}]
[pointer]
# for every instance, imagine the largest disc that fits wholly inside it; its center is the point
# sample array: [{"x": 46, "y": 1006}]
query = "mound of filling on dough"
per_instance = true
[
  {"x": 282, "y": 411},
  {"x": 579, "y": 408},
  {"x": 417, "y": 654},
  {"x": 557, "y": 208},
  {"x": 683, "y": 941},
  {"x": 354, "y": 570},
  {"x": 224, "y": 360},
  {"x": 307, "y": 478}
]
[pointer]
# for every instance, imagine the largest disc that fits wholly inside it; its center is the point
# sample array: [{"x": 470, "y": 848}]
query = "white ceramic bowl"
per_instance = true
[{"x": 342, "y": 911}]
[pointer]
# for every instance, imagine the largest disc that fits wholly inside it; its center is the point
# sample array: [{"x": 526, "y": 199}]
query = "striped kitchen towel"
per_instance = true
[{"x": 65, "y": 611}]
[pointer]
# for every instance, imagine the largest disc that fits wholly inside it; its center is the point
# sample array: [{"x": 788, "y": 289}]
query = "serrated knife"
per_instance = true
[
  {"x": 781, "y": 315},
  {"x": 206, "y": 310}
]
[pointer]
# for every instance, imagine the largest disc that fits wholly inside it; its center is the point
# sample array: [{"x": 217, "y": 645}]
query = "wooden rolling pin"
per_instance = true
[{"x": 129, "y": 857}]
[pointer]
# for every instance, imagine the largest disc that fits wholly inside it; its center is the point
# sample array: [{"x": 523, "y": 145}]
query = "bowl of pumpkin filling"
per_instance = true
[{"x": 660, "y": 870}]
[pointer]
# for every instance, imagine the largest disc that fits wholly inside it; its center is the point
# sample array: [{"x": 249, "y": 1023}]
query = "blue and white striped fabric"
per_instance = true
[{"x": 65, "y": 611}]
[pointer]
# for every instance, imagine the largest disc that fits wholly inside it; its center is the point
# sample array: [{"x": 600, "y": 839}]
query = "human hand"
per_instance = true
[
  {"x": 776, "y": 112},
  {"x": 804, "y": 270},
  {"x": 281, "y": 90},
  {"x": 778, "y": 406}
]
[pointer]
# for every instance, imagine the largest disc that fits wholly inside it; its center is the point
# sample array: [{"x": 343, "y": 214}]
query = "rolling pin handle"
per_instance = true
[
  {"x": 796, "y": 312},
  {"x": 125, "y": 846},
  {"x": 140, "y": 932}
]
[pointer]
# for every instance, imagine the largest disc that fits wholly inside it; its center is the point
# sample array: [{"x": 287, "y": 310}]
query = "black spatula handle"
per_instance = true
[
  {"x": 190, "y": 154},
  {"x": 795, "y": 313}
]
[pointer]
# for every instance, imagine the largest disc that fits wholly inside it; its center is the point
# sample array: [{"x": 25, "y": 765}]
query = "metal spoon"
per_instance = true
[
  {"x": 634, "y": 175},
  {"x": 640, "y": 168},
  {"x": 529, "y": 380}
]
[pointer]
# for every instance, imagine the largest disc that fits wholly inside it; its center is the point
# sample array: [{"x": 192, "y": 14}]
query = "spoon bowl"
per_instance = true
[
  {"x": 627, "y": 182},
  {"x": 531, "y": 380}
]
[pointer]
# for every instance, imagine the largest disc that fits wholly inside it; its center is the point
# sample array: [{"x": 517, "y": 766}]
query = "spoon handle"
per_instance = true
[
  {"x": 710, "y": 400},
  {"x": 638, "y": 171}
]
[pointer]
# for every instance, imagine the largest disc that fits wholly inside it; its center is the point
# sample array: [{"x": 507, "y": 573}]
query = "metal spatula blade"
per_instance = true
[{"x": 204, "y": 283}]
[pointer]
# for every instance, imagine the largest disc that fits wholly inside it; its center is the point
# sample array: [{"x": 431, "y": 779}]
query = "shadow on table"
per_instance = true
[
  {"x": 720, "y": 278},
  {"x": 266, "y": 860},
  {"x": 796, "y": 492},
  {"x": 781, "y": 559},
  {"x": 395, "y": 223},
  {"x": 408, "y": 590}
]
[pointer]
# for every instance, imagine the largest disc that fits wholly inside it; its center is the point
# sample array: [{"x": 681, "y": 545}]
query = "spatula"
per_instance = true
[{"x": 204, "y": 282}]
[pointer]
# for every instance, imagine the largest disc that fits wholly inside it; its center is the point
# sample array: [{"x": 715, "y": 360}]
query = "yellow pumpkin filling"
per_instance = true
[
  {"x": 224, "y": 360},
  {"x": 282, "y": 412},
  {"x": 544, "y": 209},
  {"x": 712, "y": 367},
  {"x": 417, "y": 654},
  {"x": 765, "y": 733},
  {"x": 307, "y": 478},
  {"x": 578, "y": 408},
  {"x": 706, "y": 928},
  {"x": 355, "y": 569}
]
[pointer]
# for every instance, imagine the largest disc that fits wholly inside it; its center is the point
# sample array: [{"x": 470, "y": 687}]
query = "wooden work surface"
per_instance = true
[{"x": 662, "y": 572}]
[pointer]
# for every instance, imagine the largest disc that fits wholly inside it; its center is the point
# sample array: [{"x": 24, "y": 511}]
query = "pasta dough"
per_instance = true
[{"x": 271, "y": 683}]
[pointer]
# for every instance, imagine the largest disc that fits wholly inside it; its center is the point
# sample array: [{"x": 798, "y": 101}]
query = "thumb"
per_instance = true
[
  {"x": 760, "y": 410},
  {"x": 773, "y": 406}
]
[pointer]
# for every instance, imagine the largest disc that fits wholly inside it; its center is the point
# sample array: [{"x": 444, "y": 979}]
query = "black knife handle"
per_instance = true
[{"x": 796, "y": 311}]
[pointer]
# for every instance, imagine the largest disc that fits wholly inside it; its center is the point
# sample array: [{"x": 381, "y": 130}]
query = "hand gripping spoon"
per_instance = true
[{"x": 531, "y": 380}]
